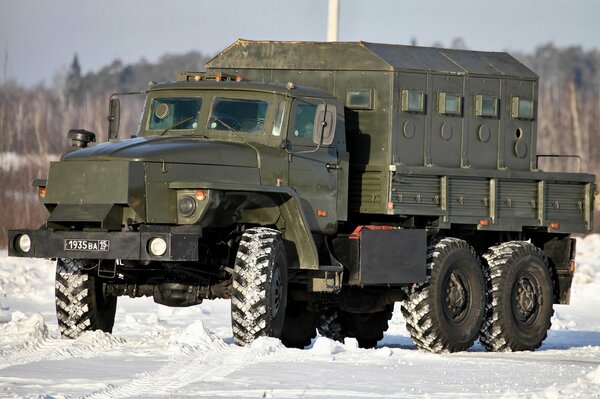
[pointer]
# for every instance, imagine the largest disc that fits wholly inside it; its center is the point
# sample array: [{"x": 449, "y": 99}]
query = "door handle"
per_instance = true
[{"x": 332, "y": 166}]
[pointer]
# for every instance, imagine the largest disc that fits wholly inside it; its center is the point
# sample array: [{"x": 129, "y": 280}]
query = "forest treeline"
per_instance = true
[{"x": 34, "y": 121}]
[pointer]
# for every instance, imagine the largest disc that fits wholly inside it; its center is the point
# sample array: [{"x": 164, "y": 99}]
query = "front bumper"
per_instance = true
[{"x": 121, "y": 245}]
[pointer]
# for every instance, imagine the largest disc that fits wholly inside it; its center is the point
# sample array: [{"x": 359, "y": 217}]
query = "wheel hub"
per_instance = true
[
  {"x": 526, "y": 298},
  {"x": 456, "y": 296},
  {"x": 277, "y": 292}
]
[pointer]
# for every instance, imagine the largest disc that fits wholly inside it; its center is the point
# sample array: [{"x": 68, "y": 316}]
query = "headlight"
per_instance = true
[
  {"x": 192, "y": 205},
  {"x": 157, "y": 246},
  {"x": 187, "y": 205},
  {"x": 23, "y": 243}
]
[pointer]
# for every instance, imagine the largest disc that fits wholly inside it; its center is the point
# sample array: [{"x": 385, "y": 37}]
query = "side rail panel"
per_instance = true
[{"x": 559, "y": 202}]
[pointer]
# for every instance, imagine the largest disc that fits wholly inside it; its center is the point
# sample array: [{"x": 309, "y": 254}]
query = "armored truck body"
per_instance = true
[{"x": 316, "y": 184}]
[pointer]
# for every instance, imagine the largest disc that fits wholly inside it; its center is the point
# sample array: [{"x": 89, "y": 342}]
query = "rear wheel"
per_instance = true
[
  {"x": 259, "y": 295},
  {"x": 446, "y": 313},
  {"x": 80, "y": 302},
  {"x": 520, "y": 302}
]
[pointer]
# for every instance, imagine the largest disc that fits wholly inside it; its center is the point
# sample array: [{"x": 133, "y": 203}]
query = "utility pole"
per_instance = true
[
  {"x": 333, "y": 20},
  {"x": 5, "y": 63}
]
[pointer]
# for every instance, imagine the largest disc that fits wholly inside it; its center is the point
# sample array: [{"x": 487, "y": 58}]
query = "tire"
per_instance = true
[
  {"x": 80, "y": 303},
  {"x": 367, "y": 328},
  {"x": 446, "y": 313},
  {"x": 259, "y": 286},
  {"x": 330, "y": 326},
  {"x": 520, "y": 292},
  {"x": 300, "y": 325}
]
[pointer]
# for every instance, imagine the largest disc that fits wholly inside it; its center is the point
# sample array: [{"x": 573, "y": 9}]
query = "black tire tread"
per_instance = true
[
  {"x": 495, "y": 335},
  {"x": 417, "y": 309},
  {"x": 368, "y": 329},
  {"x": 249, "y": 302},
  {"x": 77, "y": 308},
  {"x": 299, "y": 326},
  {"x": 330, "y": 325}
]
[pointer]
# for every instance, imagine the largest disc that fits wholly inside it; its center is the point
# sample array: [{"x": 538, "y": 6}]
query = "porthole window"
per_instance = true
[
  {"x": 521, "y": 108},
  {"x": 486, "y": 106},
  {"x": 413, "y": 101},
  {"x": 359, "y": 99},
  {"x": 449, "y": 104},
  {"x": 518, "y": 133}
]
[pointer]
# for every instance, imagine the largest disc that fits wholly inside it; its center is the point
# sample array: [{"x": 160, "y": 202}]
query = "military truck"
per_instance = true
[{"x": 316, "y": 185}]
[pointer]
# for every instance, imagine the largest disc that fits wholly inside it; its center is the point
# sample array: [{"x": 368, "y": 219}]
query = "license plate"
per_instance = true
[{"x": 87, "y": 245}]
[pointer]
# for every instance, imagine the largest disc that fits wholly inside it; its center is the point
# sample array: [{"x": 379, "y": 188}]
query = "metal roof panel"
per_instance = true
[{"x": 363, "y": 56}]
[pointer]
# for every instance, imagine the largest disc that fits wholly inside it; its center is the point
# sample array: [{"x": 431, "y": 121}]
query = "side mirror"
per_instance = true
[
  {"x": 325, "y": 119},
  {"x": 114, "y": 118}
]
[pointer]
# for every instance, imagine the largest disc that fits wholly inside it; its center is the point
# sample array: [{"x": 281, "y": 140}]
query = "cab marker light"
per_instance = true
[{"x": 200, "y": 195}]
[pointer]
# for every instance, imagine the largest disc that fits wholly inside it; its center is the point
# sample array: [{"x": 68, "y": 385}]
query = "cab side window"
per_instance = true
[{"x": 304, "y": 123}]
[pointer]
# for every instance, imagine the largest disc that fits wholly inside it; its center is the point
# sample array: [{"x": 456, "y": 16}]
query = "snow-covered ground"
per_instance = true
[{"x": 157, "y": 351}]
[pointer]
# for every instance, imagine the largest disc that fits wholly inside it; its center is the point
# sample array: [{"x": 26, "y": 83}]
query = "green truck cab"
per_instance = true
[{"x": 316, "y": 184}]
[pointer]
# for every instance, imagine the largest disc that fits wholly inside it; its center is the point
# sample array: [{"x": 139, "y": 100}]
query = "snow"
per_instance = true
[{"x": 157, "y": 351}]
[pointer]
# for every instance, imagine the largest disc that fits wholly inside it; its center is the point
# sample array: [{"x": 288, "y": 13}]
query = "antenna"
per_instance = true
[{"x": 333, "y": 19}]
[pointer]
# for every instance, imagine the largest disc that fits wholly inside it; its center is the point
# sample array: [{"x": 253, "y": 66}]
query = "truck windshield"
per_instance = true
[
  {"x": 176, "y": 113},
  {"x": 238, "y": 115}
]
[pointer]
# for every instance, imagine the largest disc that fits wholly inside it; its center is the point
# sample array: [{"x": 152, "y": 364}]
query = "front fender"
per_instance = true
[{"x": 281, "y": 208}]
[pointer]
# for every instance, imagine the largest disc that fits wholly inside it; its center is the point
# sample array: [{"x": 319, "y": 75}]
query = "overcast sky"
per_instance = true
[{"x": 39, "y": 37}]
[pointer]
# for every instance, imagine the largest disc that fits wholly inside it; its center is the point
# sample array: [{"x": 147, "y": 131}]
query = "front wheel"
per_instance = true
[
  {"x": 446, "y": 313},
  {"x": 80, "y": 302},
  {"x": 520, "y": 298},
  {"x": 259, "y": 297}
]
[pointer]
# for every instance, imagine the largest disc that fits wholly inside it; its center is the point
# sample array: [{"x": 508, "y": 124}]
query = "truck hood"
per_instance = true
[{"x": 171, "y": 150}]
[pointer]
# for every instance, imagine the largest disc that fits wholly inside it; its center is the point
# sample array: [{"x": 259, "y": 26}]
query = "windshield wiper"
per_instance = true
[
  {"x": 229, "y": 128},
  {"x": 181, "y": 122},
  {"x": 222, "y": 122}
]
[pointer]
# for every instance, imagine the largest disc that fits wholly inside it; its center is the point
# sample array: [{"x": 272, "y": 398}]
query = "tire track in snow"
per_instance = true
[
  {"x": 208, "y": 358},
  {"x": 300, "y": 393},
  {"x": 585, "y": 356},
  {"x": 37, "y": 344}
]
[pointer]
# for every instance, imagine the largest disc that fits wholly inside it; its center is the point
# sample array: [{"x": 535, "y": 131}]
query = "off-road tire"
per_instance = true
[
  {"x": 446, "y": 313},
  {"x": 330, "y": 326},
  {"x": 520, "y": 292},
  {"x": 259, "y": 286},
  {"x": 80, "y": 303},
  {"x": 367, "y": 328},
  {"x": 300, "y": 325}
]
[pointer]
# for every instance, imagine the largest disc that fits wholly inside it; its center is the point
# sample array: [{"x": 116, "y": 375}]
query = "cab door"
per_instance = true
[{"x": 314, "y": 165}]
